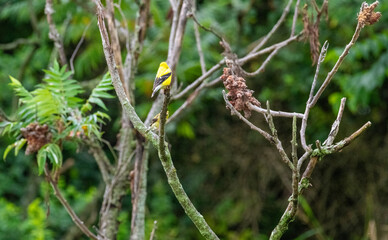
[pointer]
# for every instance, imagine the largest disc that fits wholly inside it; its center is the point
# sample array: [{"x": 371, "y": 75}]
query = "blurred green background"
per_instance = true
[{"x": 233, "y": 176}]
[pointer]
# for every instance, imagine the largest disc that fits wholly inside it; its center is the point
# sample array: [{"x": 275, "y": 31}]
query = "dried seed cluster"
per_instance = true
[
  {"x": 239, "y": 95},
  {"x": 367, "y": 16},
  {"x": 37, "y": 136}
]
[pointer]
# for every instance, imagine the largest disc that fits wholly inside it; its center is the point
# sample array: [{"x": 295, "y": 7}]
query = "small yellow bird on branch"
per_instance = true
[
  {"x": 162, "y": 79},
  {"x": 156, "y": 122}
]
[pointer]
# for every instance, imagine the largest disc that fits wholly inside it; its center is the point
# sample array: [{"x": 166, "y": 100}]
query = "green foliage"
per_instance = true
[
  {"x": 55, "y": 103},
  {"x": 366, "y": 70},
  {"x": 100, "y": 91},
  {"x": 14, "y": 226},
  {"x": 53, "y": 153},
  {"x": 17, "y": 145}
]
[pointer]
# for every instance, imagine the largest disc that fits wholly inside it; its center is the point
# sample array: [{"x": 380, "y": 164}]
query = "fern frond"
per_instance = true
[
  {"x": 59, "y": 83},
  {"x": 100, "y": 91},
  {"x": 20, "y": 90},
  {"x": 48, "y": 106}
]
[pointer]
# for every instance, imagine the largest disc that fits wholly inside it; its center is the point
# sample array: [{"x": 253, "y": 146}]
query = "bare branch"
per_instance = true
[
  {"x": 173, "y": 179},
  {"x": 275, "y": 113},
  {"x": 295, "y": 18},
  {"x": 192, "y": 15},
  {"x": 115, "y": 44},
  {"x": 199, "y": 48},
  {"x": 66, "y": 205},
  {"x": 277, "y": 142},
  {"x": 178, "y": 37},
  {"x": 16, "y": 43},
  {"x": 251, "y": 125},
  {"x": 311, "y": 103},
  {"x": 274, "y": 28},
  {"x": 153, "y": 230},
  {"x": 53, "y": 32},
  {"x": 78, "y": 47},
  {"x": 263, "y": 65},
  {"x": 102, "y": 161},
  {"x": 176, "y": 9},
  {"x": 336, "y": 124},
  {"x": 341, "y": 144},
  {"x": 199, "y": 80},
  {"x": 321, "y": 58},
  {"x": 254, "y": 55},
  {"x": 331, "y": 74},
  {"x": 302, "y": 159}
]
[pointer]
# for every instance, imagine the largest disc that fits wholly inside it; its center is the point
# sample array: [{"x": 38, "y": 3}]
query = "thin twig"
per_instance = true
[
  {"x": 199, "y": 48},
  {"x": 275, "y": 113},
  {"x": 251, "y": 125},
  {"x": 263, "y": 65},
  {"x": 295, "y": 18},
  {"x": 199, "y": 80},
  {"x": 175, "y": 19},
  {"x": 253, "y": 55},
  {"x": 302, "y": 159},
  {"x": 192, "y": 15},
  {"x": 331, "y": 74},
  {"x": 78, "y": 47},
  {"x": 17, "y": 42},
  {"x": 66, "y": 205},
  {"x": 303, "y": 127},
  {"x": 277, "y": 142},
  {"x": 154, "y": 230},
  {"x": 53, "y": 32},
  {"x": 310, "y": 104},
  {"x": 274, "y": 28},
  {"x": 336, "y": 124},
  {"x": 321, "y": 58},
  {"x": 102, "y": 161}
]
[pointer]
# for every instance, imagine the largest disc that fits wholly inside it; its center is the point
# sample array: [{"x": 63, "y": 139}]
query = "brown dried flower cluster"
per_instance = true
[
  {"x": 37, "y": 136},
  {"x": 239, "y": 95},
  {"x": 311, "y": 28},
  {"x": 367, "y": 16}
]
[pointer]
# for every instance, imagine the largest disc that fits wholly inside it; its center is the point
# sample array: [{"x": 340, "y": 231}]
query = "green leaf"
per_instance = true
[
  {"x": 100, "y": 91},
  {"x": 17, "y": 145},
  {"x": 99, "y": 102},
  {"x": 51, "y": 151},
  {"x": 7, "y": 150},
  {"x": 20, "y": 90},
  {"x": 41, "y": 157}
]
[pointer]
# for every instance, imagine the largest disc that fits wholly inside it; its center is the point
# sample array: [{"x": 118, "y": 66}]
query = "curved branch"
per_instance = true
[{"x": 67, "y": 206}]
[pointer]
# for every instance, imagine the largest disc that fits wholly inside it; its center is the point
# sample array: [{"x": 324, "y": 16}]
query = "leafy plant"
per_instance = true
[{"x": 53, "y": 113}]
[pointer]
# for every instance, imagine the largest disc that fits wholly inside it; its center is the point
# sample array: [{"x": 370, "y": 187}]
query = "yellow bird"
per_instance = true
[
  {"x": 162, "y": 79},
  {"x": 156, "y": 121}
]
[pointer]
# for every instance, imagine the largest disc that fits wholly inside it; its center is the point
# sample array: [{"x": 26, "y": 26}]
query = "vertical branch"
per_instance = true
[
  {"x": 322, "y": 56},
  {"x": 173, "y": 179},
  {"x": 53, "y": 33},
  {"x": 295, "y": 18},
  {"x": 292, "y": 207},
  {"x": 114, "y": 40},
  {"x": 198, "y": 42},
  {"x": 139, "y": 189}
]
